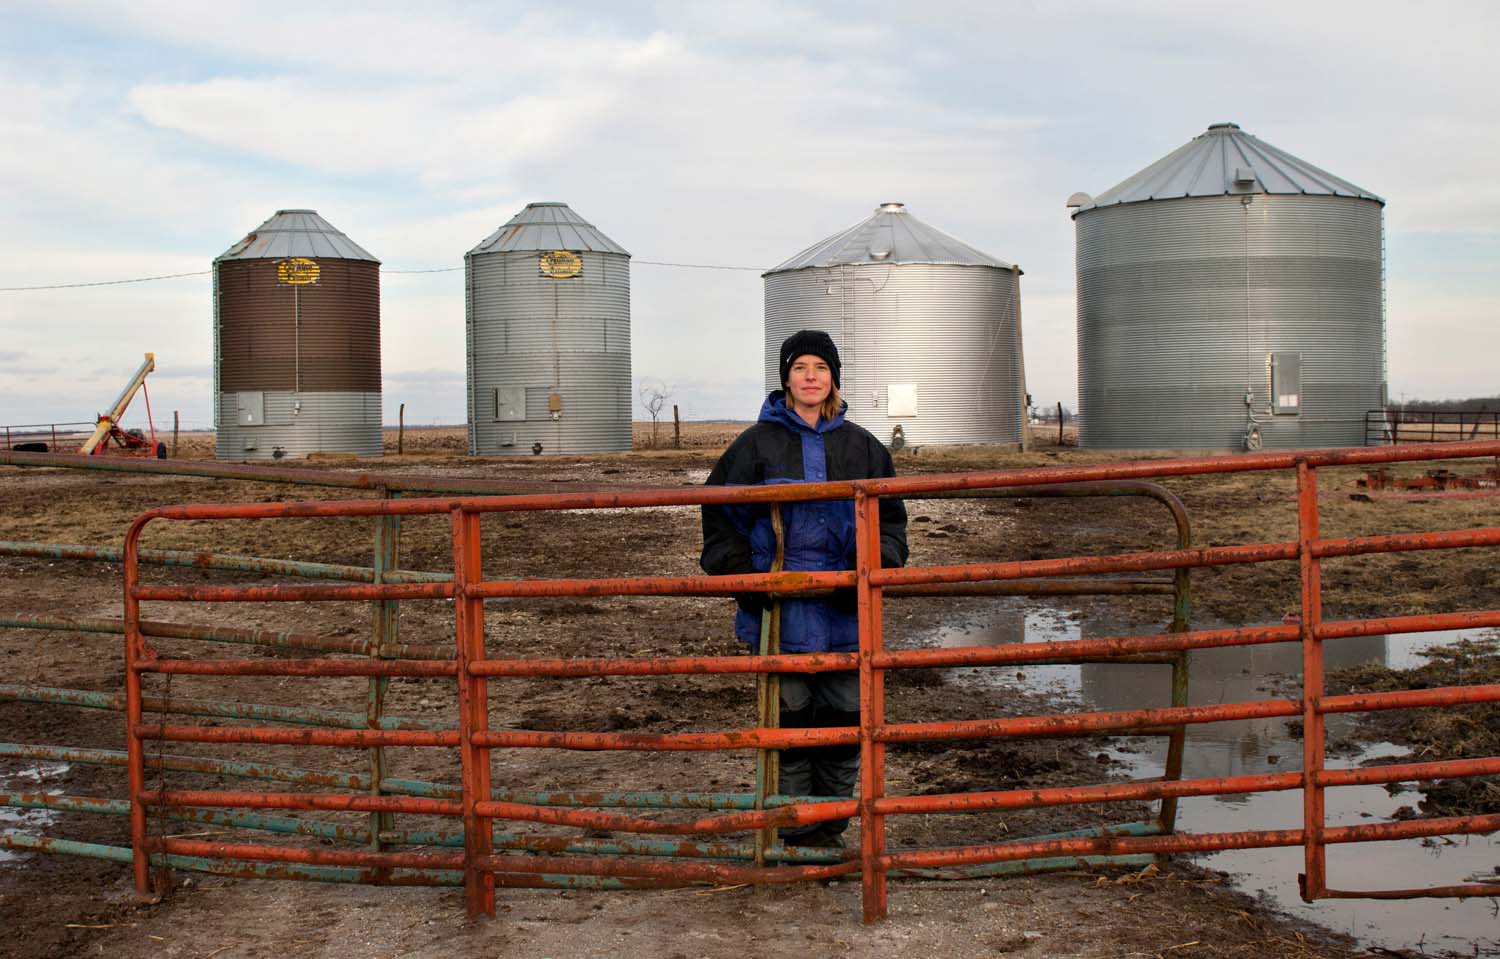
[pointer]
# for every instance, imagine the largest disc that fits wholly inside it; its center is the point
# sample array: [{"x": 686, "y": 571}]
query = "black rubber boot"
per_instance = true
[
  {"x": 835, "y": 769},
  {"x": 797, "y": 774}
]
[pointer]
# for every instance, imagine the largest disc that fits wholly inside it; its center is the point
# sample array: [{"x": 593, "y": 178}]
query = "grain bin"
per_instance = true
[
  {"x": 928, "y": 329},
  {"x": 296, "y": 343},
  {"x": 548, "y": 327},
  {"x": 1230, "y": 296}
]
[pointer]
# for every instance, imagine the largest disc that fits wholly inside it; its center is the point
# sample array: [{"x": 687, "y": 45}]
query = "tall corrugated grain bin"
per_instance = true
[
  {"x": 1230, "y": 296},
  {"x": 548, "y": 328},
  {"x": 296, "y": 343},
  {"x": 928, "y": 329}
]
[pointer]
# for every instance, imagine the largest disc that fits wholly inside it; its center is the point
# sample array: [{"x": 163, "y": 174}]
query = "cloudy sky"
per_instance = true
[{"x": 143, "y": 139}]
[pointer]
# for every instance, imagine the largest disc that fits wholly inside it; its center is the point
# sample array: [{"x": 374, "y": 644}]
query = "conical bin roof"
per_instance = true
[
  {"x": 548, "y": 226},
  {"x": 1225, "y": 160},
  {"x": 291, "y": 233},
  {"x": 891, "y": 235}
]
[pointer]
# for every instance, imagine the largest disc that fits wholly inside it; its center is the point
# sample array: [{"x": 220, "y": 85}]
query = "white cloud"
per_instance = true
[{"x": 443, "y": 40}]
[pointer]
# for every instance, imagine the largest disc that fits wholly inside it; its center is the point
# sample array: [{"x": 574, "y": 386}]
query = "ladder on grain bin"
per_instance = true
[{"x": 109, "y": 438}]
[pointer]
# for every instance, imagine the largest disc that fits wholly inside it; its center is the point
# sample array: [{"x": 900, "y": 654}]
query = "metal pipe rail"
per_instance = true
[
  {"x": 1178, "y": 587},
  {"x": 195, "y": 559},
  {"x": 299, "y": 476},
  {"x": 275, "y": 639},
  {"x": 1394, "y": 426},
  {"x": 476, "y": 809},
  {"x": 23, "y": 433}
]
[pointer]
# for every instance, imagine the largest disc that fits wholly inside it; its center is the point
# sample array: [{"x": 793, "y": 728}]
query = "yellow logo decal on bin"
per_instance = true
[
  {"x": 298, "y": 271},
  {"x": 560, "y": 264}
]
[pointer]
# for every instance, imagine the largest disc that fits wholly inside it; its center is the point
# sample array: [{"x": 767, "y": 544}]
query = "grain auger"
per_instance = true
[{"x": 108, "y": 438}]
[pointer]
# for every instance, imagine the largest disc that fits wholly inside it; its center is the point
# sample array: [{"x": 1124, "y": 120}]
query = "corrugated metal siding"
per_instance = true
[
  {"x": 215, "y": 279},
  {"x": 951, "y": 330},
  {"x": 326, "y": 423},
  {"x": 572, "y": 335},
  {"x": 258, "y": 336},
  {"x": 1175, "y": 320}
]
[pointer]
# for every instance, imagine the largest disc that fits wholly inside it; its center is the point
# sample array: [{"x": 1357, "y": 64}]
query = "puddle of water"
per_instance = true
[
  {"x": 1266, "y": 745},
  {"x": 29, "y": 780}
]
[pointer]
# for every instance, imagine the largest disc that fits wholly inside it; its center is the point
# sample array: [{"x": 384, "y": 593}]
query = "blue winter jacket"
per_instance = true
[{"x": 782, "y": 448}]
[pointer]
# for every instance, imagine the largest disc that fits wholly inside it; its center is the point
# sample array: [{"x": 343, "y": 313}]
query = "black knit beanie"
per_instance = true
[{"x": 810, "y": 342}]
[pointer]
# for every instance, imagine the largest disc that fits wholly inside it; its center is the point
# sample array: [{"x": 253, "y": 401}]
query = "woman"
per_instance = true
[{"x": 802, "y": 436}]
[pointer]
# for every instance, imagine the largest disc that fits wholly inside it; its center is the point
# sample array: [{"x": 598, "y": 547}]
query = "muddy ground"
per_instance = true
[
  {"x": 1435, "y": 734},
  {"x": 64, "y": 905}
]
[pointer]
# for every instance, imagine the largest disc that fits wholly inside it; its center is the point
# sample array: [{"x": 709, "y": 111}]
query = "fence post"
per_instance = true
[
  {"x": 135, "y": 749},
  {"x": 1314, "y": 879},
  {"x": 768, "y": 697},
  {"x": 871, "y": 707},
  {"x": 1059, "y": 423},
  {"x": 676, "y": 429},
  {"x": 387, "y": 556},
  {"x": 401, "y": 430},
  {"x": 175, "y": 424},
  {"x": 473, "y": 713},
  {"x": 1177, "y": 741}
]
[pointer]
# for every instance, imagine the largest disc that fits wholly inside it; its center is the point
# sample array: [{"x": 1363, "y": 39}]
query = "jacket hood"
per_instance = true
[{"x": 775, "y": 410}]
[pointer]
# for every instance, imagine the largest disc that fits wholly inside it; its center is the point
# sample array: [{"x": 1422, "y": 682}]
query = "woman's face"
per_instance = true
[{"x": 809, "y": 381}]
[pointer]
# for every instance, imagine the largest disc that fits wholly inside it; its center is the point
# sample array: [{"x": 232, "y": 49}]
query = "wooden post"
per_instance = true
[
  {"x": 387, "y": 557},
  {"x": 676, "y": 429},
  {"x": 401, "y": 430},
  {"x": 175, "y": 424},
  {"x": 1059, "y": 422}
]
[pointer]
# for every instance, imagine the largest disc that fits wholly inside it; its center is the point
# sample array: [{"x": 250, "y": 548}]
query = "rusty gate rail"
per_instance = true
[{"x": 477, "y": 807}]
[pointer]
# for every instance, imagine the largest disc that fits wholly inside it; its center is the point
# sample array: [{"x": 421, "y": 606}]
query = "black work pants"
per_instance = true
[{"x": 817, "y": 700}]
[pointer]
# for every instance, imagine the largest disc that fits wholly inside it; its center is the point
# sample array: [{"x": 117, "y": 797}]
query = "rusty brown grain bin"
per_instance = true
[{"x": 296, "y": 342}]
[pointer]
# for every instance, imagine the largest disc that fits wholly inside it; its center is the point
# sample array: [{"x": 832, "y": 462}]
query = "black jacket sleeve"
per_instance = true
[
  {"x": 893, "y": 549},
  {"x": 725, "y": 550}
]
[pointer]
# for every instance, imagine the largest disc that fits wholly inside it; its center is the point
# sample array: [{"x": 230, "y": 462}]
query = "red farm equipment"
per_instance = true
[{"x": 108, "y": 439}]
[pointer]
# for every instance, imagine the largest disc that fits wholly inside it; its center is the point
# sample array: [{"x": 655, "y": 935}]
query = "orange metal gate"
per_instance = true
[{"x": 482, "y": 867}]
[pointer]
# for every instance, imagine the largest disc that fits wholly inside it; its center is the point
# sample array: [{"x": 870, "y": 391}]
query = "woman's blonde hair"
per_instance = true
[{"x": 832, "y": 405}]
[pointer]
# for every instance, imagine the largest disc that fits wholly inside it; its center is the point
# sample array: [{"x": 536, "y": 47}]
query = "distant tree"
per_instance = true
[
  {"x": 1048, "y": 414},
  {"x": 654, "y": 396},
  {"x": 1471, "y": 404}
]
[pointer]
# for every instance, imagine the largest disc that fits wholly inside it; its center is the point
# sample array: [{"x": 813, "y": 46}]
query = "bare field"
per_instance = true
[{"x": 69, "y": 906}]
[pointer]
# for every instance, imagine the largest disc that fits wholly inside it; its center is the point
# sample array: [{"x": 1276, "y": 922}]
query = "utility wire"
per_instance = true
[
  {"x": 445, "y": 269},
  {"x": 700, "y": 266},
  {"x": 74, "y": 286}
]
